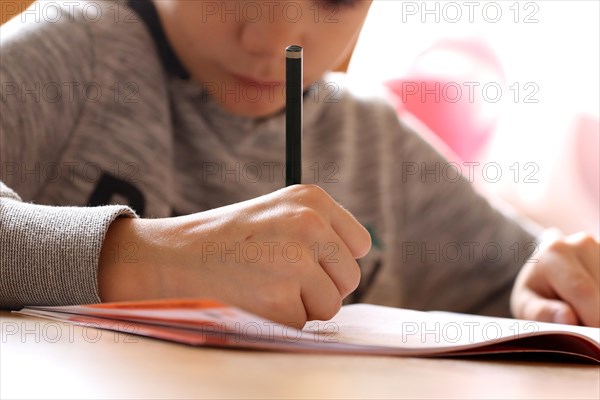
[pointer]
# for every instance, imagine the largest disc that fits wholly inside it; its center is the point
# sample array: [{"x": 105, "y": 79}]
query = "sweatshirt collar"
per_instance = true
[{"x": 146, "y": 10}]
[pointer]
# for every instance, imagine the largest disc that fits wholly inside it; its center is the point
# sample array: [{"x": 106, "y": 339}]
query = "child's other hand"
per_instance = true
[
  {"x": 289, "y": 256},
  {"x": 563, "y": 286}
]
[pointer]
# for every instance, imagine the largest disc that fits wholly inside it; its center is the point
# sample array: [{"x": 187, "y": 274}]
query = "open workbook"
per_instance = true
[{"x": 356, "y": 329}]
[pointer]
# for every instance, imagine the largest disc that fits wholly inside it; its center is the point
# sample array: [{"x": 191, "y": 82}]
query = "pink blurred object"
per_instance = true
[
  {"x": 570, "y": 198},
  {"x": 445, "y": 90},
  {"x": 567, "y": 195},
  {"x": 587, "y": 148}
]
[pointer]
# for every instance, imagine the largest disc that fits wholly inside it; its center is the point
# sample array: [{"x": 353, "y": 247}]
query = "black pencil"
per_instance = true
[{"x": 293, "y": 115}]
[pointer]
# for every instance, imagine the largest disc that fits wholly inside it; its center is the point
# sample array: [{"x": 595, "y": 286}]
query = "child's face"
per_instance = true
[{"x": 237, "y": 48}]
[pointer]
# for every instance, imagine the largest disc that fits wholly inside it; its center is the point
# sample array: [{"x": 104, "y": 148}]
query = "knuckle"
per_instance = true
[
  {"x": 583, "y": 288},
  {"x": 584, "y": 241},
  {"x": 357, "y": 277},
  {"x": 543, "y": 314},
  {"x": 559, "y": 247},
  {"x": 310, "y": 193},
  {"x": 537, "y": 269},
  {"x": 367, "y": 238},
  {"x": 297, "y": 323},
  {"x": 365, "y": 242},
  {"x": 278, "y": 299},
  {"x": 315, "y": 190},
  {"x": 300, "y": 269},
  {"x": 295, "y": 189},
  {"x": 307, "y": 219},
  {"x": 352, "y": 280},
  {"x": 331, "y": 309},
  {"x": 516, "y": 305}
]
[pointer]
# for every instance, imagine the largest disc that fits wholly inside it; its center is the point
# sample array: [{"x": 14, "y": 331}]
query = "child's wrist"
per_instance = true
[{"x": 124, "y": 272}]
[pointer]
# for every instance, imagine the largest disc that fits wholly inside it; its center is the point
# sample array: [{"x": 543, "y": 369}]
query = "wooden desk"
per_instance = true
[{"x": 45, "y": 359}]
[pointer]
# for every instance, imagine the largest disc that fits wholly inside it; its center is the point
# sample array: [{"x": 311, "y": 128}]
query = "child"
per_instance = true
[{"x": 174, "y": 108}]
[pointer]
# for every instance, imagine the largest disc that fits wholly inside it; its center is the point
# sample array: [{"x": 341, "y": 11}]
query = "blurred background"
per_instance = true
[
  {"x": 509, "y": 90},
  {"x": 511, "y": 87}
]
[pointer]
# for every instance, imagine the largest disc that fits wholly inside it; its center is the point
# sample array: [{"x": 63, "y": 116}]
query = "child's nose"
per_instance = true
[{"x": 269, "y": 38}]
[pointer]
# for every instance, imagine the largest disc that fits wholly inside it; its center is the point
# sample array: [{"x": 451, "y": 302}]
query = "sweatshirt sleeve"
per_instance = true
[
  {"x": 48, "y": 255},
  {"x": 463, "y": 252}
]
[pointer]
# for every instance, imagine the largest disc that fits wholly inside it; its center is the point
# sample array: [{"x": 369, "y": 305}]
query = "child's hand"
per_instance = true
[
  {"x": 288, "y": 256},
  {"x": 563, "y": 286}
]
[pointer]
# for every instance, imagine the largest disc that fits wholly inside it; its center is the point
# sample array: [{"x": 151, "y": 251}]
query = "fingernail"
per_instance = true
[{"x": 560, "y": 317}]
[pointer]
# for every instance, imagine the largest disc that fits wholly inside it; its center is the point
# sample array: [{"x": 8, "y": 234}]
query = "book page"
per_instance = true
[
  {"x": 379, "y": 326},
  {"x": 357, "y": 328}
]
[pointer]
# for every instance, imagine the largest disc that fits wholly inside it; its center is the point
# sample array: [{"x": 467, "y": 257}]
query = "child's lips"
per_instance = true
[{"x": 245, "y": 80}]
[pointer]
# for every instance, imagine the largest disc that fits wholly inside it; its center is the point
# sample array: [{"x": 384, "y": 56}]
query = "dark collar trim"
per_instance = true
[{"x": 146, "y": 10}]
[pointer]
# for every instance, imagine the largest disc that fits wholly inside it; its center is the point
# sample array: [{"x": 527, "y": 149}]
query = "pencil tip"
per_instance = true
[{"x": 293, "y": 51}]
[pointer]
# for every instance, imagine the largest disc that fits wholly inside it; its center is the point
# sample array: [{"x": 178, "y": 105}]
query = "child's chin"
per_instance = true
[{"x": 254, "y": 110}]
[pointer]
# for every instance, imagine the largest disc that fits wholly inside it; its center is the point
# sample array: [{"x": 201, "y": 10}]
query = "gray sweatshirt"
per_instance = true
[{"x": 99, "y": 120}]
